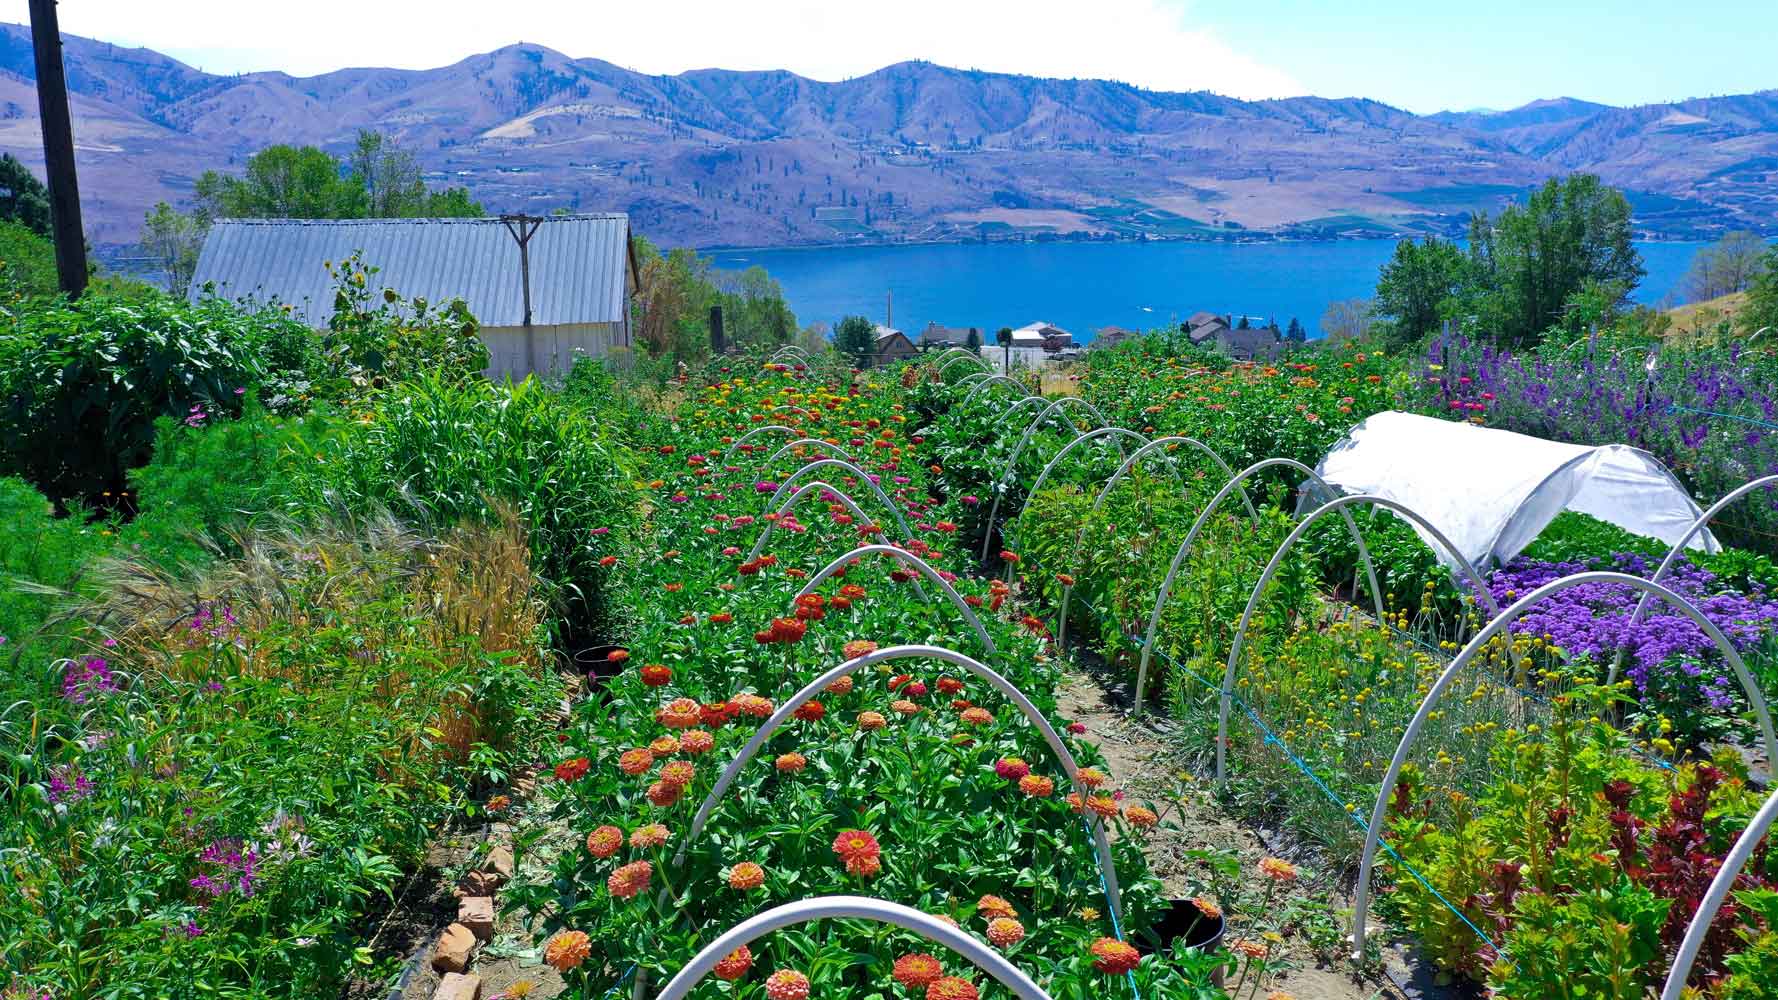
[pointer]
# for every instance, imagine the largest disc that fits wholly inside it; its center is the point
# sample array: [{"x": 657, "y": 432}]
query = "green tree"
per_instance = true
[
  {"x": 1004, "y": 338},
  {"x": 974, "y": 341},
  {"x": 1295, "y": 332},
  {"x": 451, "y": 203},
  {"x": 390, "y": 174},
  {"x": 1418, "y": 285},
  {"x": 856, "y": 337},
  {"x": 23, "y": 198},
  {"x": 1347, "y": 319},
  {"x": 27, "y": 263},
  {"x": 1762, "y": 298},
  {"x": 283, "y": 182},
  {"x": 174, "y": 239},
  {"x": 1727, "y": 266},
  {"x": 1563, "y": 259}
]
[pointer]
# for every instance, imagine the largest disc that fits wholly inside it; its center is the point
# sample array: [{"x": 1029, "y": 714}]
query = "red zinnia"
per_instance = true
[
  {"x": 1011, "y": 768},
  {"x": 656, "y": 674},
  {"x": 604, "y": 842},
  {"x": 663, "y": 795},
  {"x": 787, "y": 984},
  {"x": 855, "y": 844},
  {"x": 572, "y": 770},
  {"x": 631, "y": 879},
  {"x": 951, "y": 988},
  {"x": 1114, "y": 956},
  {"x": 917, "y": 970},
  {"x": 634, "y": 762},
  {"x": 810, "y": 711},
  {"x": 735, "y": 965},
  {"x": 696, "y": 741},
  {"x": 680, "y": 713}
]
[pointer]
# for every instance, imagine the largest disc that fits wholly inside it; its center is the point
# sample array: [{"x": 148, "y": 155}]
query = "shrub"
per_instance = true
[
  {"x": 81, "y": 384},
  {"x": 27, "y": 263},
  {"x": 40, "y": 554},
  {"x": 446, "y": 448}
]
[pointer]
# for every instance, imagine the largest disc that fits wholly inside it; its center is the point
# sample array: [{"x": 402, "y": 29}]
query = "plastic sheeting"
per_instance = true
[{"x": 1492, "y": 491}]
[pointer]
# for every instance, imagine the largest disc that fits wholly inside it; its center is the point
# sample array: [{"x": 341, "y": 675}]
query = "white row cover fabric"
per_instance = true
[{"x": 1492, "y": 491}]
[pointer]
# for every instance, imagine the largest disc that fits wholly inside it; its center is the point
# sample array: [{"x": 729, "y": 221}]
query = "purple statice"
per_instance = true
[
  {"x": 86, "y": 679},
  {"x": 67, "y": 785}
]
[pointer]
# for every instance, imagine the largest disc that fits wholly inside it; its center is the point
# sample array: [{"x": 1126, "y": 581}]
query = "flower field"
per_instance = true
[{"x": 761, "y": 672}]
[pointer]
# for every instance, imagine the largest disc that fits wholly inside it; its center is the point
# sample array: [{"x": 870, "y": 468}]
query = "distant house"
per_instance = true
[
  {"x": 892, "y": 346},
  {"x": 936, "y": 337},
  {"x": 1248, "y": 345},
  {"x": 1204, "y": 328},
  {"x": 1111, "y": 336},
  {"x": 583, "y": 273},
  {"x": 1045, "y": 335}
]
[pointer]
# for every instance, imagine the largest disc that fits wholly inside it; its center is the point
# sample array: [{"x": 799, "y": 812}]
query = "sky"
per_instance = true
[{"x": 1422, "y": 55}]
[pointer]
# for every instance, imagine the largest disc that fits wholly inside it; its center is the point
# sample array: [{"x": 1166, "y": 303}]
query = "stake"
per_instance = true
[{"x": 58, "y": 148}]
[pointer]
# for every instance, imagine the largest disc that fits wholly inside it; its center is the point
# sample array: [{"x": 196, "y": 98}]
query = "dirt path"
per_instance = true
[{"x": 1141, "y": 762}]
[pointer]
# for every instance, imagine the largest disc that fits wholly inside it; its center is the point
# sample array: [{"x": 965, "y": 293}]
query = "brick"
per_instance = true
[
  {"x": 456, "y": 986},
  {"x": 451, "y": 953},
  {"x": 477, "y": 914}
]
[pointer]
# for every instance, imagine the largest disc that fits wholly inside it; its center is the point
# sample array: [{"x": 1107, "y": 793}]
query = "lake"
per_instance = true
[{"x": 1081, "y": 287}]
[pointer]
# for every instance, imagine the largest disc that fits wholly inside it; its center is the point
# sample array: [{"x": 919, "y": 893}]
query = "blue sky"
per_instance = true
[{"x": 1424, "y": 56}]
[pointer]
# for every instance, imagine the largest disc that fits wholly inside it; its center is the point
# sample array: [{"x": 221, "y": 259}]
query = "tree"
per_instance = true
[
  {"x": 1004, "y": 339},
  {"x": 1243, "y": 324},
  {"x": 27, "y": 263},
  {"x": 283, "y": 182},
  {"x": 974, "y": 341},
  {"x": 856, "y": 337},
  {"x": 1727, "y": 266},
  {"x": 1418, "y": 285},
  {"x": 451, "y": 203},
  {"x": 1295, "y": 332},
  {"x": 1553, "y": 261},
  {"x": 1762, "y": 298},
  {"x": 1347, "y": 319},
  {"x": 23, "y": 198},
  {"x": 174, "y": 239},
  {"x": 390, "y": 175}
]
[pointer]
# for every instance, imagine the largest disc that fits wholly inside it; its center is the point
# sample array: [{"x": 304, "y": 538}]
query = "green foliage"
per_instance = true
[
  {"x": 27, "y": 263},
  {"x": 1563, "y": 259},
  {"x": 856, "y": 338},
  {"x": 23, "y": 198},
  {"x": 446, "y": 447},
  {"x": 676, "y": 291},
  {"x": 1762, "y": 297},
  {"x": 283, "y": 182},
  {"x": 394, "y": 188},
  {"x": 375, "y": 340},
  {"x": 40, "y": 554},
  {"x": 205, "y": 483},
  {"x": 1416, "y": 287},
  {"x": 81, "y": 384},
  {"x": 174, "y": 239},
  {"x": 1729, "y": 265}
]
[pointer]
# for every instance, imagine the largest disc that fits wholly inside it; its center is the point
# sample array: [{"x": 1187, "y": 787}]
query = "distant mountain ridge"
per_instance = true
[{"x": 913, "y": 151}]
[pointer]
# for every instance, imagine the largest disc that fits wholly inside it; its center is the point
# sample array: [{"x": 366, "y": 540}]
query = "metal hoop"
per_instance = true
[
  {"x": 1401, "y": 510},
  {"x": 757, "y": 430},
  {"x": 1677, "y": 550},
  {"x": 1024, "y": 439},
  {"x": 852, "y": 907},
  {"x": 1714, "y": 897},
  {"x": 1105, "y": 491},
  {"x": 1374, "y": 831},
  {"x": 920, "y": 566},
  {"x": 833, "y": 449},
  {"x": 862, "y": 475},
  {"x": 989, "y": 381},
  {"x": 1102, "y": 844},
  {"x": 1191, "y": 537},
  {"x": 962, "y": 357},
  {"x": 803, "y": 490}
]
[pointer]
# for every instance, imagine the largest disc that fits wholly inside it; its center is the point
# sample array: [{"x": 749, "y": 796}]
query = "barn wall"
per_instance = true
[{"x": 555, "y": 347}]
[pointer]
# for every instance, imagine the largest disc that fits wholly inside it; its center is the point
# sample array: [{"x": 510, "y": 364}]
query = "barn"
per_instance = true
[{"x": 581, "y": 275}]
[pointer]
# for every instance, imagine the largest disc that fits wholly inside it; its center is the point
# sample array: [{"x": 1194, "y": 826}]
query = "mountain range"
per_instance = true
[{"x": 914, "y": 151}]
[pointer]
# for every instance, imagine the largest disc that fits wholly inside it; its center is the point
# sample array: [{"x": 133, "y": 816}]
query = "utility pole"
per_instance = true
[
  {"x": 58, "y": 148},
  {"x": 523, "y": 227}
]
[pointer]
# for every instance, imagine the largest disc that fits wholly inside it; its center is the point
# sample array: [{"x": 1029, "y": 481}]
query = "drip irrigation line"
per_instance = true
[
  {"x": 1346, "y": 809},
  {"x": 1676, "y": 408},
  {"x": 1116, "y": 926}
]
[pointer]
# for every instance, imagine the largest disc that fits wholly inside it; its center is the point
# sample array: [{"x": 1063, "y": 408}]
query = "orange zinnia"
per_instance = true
[
  {"x": 917, "y": 970},
  {"x": 567, "y": 950}
]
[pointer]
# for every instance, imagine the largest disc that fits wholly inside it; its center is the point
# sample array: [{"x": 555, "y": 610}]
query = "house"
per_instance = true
[
  {"x": 936, "y": 337},
  {"x": 1111, "y": 336},
  {"x": 1204, "y": 328},
  {"x": 1044, "y": 335},
  {"x": 892, "y": 346},
  {"x": 1248, "y": 345},
  {"x": 582, "y": 276}
]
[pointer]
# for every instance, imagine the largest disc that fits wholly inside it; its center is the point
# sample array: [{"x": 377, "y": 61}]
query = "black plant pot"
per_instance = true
[
  {"x": 1182, "y": 923},
  {"x": 598, "y": 666}
]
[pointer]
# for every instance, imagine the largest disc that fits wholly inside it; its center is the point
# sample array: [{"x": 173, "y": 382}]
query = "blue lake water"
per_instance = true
[{"x": 1081, "y": 287}]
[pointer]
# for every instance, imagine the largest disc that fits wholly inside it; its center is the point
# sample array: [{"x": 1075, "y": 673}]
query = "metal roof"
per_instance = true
[{"x": 580, "y": 265}]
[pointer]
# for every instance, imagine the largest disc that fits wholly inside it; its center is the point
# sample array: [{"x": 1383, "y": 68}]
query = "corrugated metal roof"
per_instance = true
[{"x": 579, "y": 264}]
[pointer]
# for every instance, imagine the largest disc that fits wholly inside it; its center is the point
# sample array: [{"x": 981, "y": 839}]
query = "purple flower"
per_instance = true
[{"x": 82, "y": 680}]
